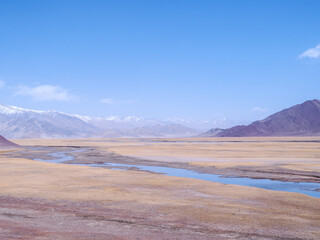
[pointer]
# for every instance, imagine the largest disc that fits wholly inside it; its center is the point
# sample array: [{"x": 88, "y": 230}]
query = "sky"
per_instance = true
[{"x": 238, "y": 60}]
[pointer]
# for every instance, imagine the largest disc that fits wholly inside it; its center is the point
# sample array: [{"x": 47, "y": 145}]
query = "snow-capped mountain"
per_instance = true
[
  {"x": 16, "y": 122},
  {"x": 10, "y": 110},
  {"x": 119, "y": 122},
  {"x": 129, "y": 122}
]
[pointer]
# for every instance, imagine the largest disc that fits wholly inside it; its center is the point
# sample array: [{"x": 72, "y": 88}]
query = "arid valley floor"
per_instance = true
[{"x": 41, "y": 200}]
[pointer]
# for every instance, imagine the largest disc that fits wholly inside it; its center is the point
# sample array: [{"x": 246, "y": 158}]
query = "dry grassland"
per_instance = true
[{"x": 53, "y": 201}]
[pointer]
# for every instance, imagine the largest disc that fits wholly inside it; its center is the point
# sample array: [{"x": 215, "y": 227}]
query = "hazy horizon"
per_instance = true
[{"x": 235, "y": 61}]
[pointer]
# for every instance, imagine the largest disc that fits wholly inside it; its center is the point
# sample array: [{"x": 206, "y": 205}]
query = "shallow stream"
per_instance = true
[{"x": 311, "y": 189}]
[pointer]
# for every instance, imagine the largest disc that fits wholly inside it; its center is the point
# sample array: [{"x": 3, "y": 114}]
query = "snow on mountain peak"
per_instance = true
[
  {"x": 83, "y": 118},
  {"x": 8, "y": 110}
]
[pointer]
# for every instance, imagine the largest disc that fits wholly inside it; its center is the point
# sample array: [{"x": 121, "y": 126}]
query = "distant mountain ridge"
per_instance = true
[
  {"x": 211, "y": 132},
  {"x": 20, "y": 123},
  {"x": 299, "y": 120}
]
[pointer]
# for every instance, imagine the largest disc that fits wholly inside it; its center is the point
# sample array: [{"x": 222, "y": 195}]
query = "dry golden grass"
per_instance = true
[
  {"x": 200, "y": 203},
  {"x": 297, "y": 153}
]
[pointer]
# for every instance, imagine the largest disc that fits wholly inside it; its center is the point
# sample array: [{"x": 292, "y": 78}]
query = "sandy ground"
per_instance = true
[{"x": 40, "y": 200}]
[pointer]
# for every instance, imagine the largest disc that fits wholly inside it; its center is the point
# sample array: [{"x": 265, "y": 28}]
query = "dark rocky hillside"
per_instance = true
[
  {"x": 299, "y": 120},
  {"x": 6, "y": 144}
]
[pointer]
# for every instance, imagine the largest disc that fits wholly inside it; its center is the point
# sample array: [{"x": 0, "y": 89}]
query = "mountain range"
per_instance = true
[
  {"x": 299, "y": 120},
  {"x": 20, "y": 123}
]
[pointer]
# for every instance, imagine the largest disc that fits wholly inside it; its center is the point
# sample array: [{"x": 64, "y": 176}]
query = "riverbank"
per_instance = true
[
  {"x": 280, "y": 159},
  {"x": 66, "y": 155}
]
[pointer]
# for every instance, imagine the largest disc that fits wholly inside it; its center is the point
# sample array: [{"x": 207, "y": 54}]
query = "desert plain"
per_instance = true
[{"x": 41, "y": 200}]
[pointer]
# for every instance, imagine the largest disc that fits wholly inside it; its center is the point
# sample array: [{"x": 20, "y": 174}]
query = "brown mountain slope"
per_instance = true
[
  {"x": 6, "y": 144},
  {"x": 299, "y": 120}
]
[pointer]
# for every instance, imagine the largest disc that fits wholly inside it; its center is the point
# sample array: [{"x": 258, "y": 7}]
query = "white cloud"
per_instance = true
[
  {"x": 259, "y": 109},
  {"x": 2, "y": 84},
  {"x": 45, "y": 93},
  {"x": 107, "y": 100},
  {"x": 311, "y": 53}
]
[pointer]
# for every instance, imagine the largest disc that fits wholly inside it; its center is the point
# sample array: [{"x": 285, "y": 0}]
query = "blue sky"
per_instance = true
[{"x": 240, "y": 60}]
